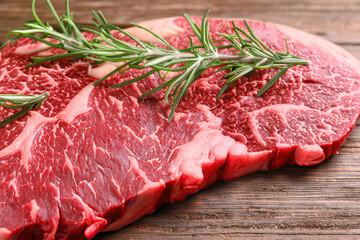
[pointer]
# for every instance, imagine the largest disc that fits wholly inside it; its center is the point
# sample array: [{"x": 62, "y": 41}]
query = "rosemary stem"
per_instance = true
[{"x": 248, "y": 54}]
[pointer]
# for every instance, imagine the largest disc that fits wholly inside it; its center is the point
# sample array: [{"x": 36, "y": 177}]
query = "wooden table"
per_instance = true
[{"x": 319, "y": 202}]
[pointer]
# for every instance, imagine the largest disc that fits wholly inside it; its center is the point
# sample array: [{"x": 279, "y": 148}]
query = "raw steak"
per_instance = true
[{"x": 96, "y": 159}]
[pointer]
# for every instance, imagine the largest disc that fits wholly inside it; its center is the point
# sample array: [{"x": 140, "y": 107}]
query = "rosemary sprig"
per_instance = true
[
  {"x": 250, "y": 52},
  {"x": 15, "y": 101}
]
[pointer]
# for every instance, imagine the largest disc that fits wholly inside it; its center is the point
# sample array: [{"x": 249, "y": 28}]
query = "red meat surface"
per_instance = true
[{"x": 95, "y": 159}]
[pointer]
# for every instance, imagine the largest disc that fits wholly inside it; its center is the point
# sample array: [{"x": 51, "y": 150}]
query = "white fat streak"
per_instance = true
[
  {"x": 50, "y": 79},
  {"x": 51, "y": 235},
  {"x": 134, "y": 86},
  {"x": 254, "y": 125},
  {"x": 281, "y": 110},
  {"x": 88, "y": 214},
  {"x": 134, "y": 166},
  {"x": 90, "y": 186},
  {"x": 94, "y": 149},
  {"x": 4, "y": 72},
  {"x": 102, "y": 116},
  {"x": 165, "y": 27},
  {"x": 57, "y": 189},
  {"x": 12, "y": 184},
  {"x": 5, "y": 234},
  {"x": 24, "y": 90},
  {"x": 144, "y": 202},
  {"x": 68, "y": 164},
  {"x": 46, "y": 170},
  {"x": 151, "y": 136},
  {"x": 318, "y": 42},
  {"x": 77, "y": 106},
  {"x": 135, "y": 101},
  {"x": 148, "y": 184},
  {"x": 154, "y": 137},
  {"x": 131, "y": 132},
  {"x": 24, "y": 141},
  {"x": 34, "y": 209},
  {"x": 92, "y": 189},
  {"x": 345, "y": 95},
  {"x": 100, "y": 149},
  {"x": 69, "y": 141},
  {"x": 103, "y": 69},
  {"x": 101, "y": 168},
  {"x": 116, "y": 184},
  {"x": 31, "y": 48},
  {"x": 156, "y": 161},
  {"x": 119, "y": 104}
]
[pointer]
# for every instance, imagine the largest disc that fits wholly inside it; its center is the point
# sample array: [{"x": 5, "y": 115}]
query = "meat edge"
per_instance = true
[
  {"x": 237, "y": 155},
  {"x": 231, "y": 166}
]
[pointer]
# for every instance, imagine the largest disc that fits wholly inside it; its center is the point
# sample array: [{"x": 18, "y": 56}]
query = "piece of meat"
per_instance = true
[{"x": 96, "y": 159}]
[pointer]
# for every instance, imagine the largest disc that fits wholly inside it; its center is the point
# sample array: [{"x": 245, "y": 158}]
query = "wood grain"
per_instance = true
[
  {"x": 328, "y": 18},
  {"x": 319, "y": 202}
]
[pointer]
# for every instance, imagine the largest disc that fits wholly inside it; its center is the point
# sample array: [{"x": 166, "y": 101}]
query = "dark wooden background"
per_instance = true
[{"x": 320, "y": 202}]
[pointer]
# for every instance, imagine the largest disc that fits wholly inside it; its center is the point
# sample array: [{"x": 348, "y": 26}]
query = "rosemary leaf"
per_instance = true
[
  {"x": 272, "y": 81},
  {"x": 247, "y": 54},
  {"x": 19, "y": 101}
]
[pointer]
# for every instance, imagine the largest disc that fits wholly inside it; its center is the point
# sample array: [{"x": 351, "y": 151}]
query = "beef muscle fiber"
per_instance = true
[{"x": 95, "y": 159}]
